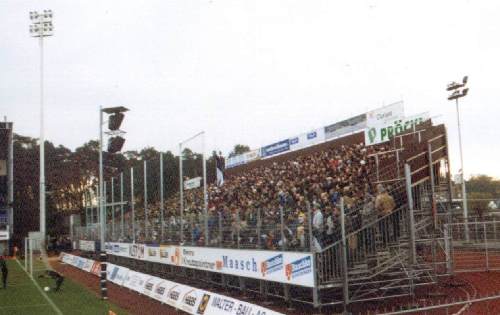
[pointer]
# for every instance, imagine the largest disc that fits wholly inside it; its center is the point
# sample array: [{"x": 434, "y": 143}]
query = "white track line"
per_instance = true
[{"x": 54, "y": 306}]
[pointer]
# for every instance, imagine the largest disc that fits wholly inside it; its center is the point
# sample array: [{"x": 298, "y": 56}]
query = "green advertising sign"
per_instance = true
[{"x": 382, "y": 133}]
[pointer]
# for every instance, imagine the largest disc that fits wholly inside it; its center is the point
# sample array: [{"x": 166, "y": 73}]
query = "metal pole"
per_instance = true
[
  {"x": 344, "y": 256},
  {"x": 104, "y": 293},
  {"x": 181, "y": 190},
  {"x": 315, "y": 291},
  {"x": 286, "y": 288},
  {"x": 486, "y": 246},
  {"x": 105, "y": 196},
  {"x": 464, "y": 192},
  {"x": 26, "y": 253},
  {"x": 146, "y": 212},
  {"x": 132, "y": 202},
  {"x": 447, "y": 249},
  {"x": 122, "y": 222},
  {"x": 162, "y": 206},
  {"x": 411, "y": 219},
  {"x": 31, "y": 256},
  {"x": 205, "y": 195},
  {"x": 42, "y": 150},
  {"x": 113, "y": 208}
]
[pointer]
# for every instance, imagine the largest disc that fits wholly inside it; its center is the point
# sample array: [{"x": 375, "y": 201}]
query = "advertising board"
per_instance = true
[
  {"x": 85, "y": 245},
  {"x": 186, "y": 298},
  {"x": 384, "y": 132},
  {"x": 384, "y": 115},
  {"x": 256, "y": 264},
  {"x": 343, "y": 127},
  {"x": 307, "y": 139},
  {"x": 243, "y": 158},
  {"x": 275, "y": 148},
  {"x": 192, "y": 183}
]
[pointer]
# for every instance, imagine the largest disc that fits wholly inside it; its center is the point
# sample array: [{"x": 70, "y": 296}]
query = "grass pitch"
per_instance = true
[{"x": 25, "y": 296}]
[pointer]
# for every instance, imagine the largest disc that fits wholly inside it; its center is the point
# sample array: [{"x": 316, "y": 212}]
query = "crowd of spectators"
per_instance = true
[{"x": 249, "y": 208}]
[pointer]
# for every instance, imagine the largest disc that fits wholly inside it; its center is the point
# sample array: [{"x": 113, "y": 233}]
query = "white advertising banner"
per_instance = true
[
  {"x": 384, "y": 115},
  {"x": 192, "y": 183},
  {"x": 135, "y": 281},
  {"x": 188, "y": 299},
  {"x": 307, "y": 139},
  {"x": 87, "y": 245},
  {"x": 149, "y": 285},
  {"x": 384, "y": 132},
  {"x": 243, "y": 158},
  {"x": 88, "y": 265},
  {"x": 220, "y": 305},
  {"x": 4, "y": 235},
  {"x": 284, "y": 267}
]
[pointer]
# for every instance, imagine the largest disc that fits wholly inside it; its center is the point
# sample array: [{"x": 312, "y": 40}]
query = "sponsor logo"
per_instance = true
[
  {"x": 164, "y": 252},
  {"x": 160, "y": 289},
  {"x": 174, "y": 294},
  {"x": 271, "y": 265},
  {"x": 189, "y": 301},
  {"x": 222, "y": 304},
  {"x": 298, "y": 268},
  {"x": 239, "y": 264},
  {"x": 149, "y": 285},
  {"x": 203, "y": 304},
  {"x": 311, "y": 135},
  {"x": 294, "y": 140},
  {"x": 136, "y": 250},
  {"x": 113, "y": 273},
  {"x": 275, "y": 148},
  {"x": 152, "y": 252}
]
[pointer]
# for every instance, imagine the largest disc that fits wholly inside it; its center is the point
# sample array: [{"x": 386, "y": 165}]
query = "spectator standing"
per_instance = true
[
  {"x": 318, "y": 227},
  {"x": 384, "y": 204}
]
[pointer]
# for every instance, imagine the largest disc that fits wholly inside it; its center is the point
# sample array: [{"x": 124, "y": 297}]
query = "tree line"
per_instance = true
[{"x": 70, "y": 174}]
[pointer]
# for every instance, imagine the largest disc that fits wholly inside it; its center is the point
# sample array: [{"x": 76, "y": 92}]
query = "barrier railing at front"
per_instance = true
[{"x": 473, "y": 246}]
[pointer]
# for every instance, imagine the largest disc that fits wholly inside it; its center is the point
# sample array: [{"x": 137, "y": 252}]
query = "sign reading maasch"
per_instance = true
[{"x": 284, "y": 267}]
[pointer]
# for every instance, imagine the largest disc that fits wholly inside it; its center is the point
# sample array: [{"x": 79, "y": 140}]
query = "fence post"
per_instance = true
[
  {"x": 433, "y": 188},
  {"x": 105, "y": 201},
  {"x": 132, "y": 202},
  {"x": 146, "y": 211},
  {"x": 494, "y": 228},
  {"x": 411, "y": 225},
  {"x": 31, "y": 256},
  {"x": 113, "y": 208},
  {"x": 221, "y": 235},
  {"x": 486, "y": 246},
  {"x": 238, "y": 228},
  {"x": 286, "y": 287},
  {"x": 345, "y": 267},
  {"x": 26, "y": 253},
  {"x": 122, "y": 222},
  {"x": 259, "y": 227},
  {"x": 447, "y": 249},
  {"x": 315, "y": 290},
  {"x": 162, "y": 207}
]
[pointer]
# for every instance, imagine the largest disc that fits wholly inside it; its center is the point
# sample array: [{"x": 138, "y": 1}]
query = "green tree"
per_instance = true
[{"x": 239, "y": 149}]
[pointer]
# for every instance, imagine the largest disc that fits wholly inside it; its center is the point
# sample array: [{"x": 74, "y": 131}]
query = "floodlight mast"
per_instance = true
[
  {"x": 459, "y": 91},
  {"x": 41, "y": 26},
  {"x": 102, "y": 212}
]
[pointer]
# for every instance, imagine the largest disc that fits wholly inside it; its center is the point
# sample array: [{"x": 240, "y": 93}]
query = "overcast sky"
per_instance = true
[{"x": 251, "y": 72}]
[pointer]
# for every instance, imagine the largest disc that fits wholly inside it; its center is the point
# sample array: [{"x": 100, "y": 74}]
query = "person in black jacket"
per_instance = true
[{"x": 5, "y": 271}]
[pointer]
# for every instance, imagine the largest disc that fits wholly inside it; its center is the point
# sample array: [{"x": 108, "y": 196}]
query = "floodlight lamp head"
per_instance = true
[
  {"x": 465, "y": 79},
  {"x": 464, "y": 92},
  {"x": 34, "y": 15}
]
